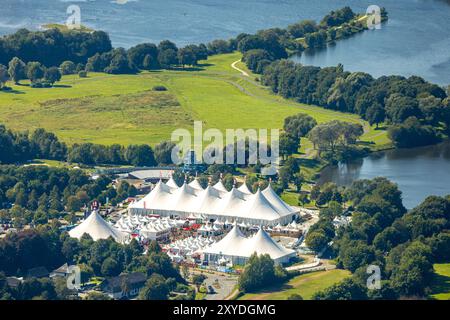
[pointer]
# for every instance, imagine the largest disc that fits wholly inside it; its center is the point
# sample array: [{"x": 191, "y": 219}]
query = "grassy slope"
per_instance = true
[
  {"x": 441, "y": 282},
  {"x": 305, "y": 285},
  {"x": 122, "y": 108}
]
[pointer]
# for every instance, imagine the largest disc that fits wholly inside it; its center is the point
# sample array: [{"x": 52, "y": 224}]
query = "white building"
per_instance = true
[
  {"x": 237, "y": 249},
  {"x": 215, "y": 202}
]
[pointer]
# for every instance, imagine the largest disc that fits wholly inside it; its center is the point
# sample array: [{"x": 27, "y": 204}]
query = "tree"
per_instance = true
[
  {"x": 316, "y": 240},
  {"x": 198, "y": 279},
  {"x": 4, "y": 76},
  {"x": 74, "y": 204},
  {"x": 137, "y": 54},
  {"x": 155, "y": 288},
  {"x": 140, "y": 155},
  {"x": 52, "y": 75},
  {"x": 163, "y": 152},
  {"x": 348, "y": 289},
  {"x": 411, "y": 133},
  {"x": 35, "y": 71},
  {"x": 95, "y": 295},
  {"x": 68, "y": 67},
  {"x": 299, "y": 125},
  {"x": 167, "y": 57},
  {"x": 375, "y": 114},
  {"x": 259, "y": 272},
  {"x": 413, "y": 272},
  {"x": 111, "y": 267},
  {"x": 17, "y": 70},
  {"x": 288, "y": 145},
  {"x": 186, "y": 56}
]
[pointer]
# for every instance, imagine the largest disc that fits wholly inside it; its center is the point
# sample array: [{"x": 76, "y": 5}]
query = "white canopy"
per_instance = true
[
  {"x": 214, "y": 202},
  {"x": 97, "y": 228},
  {"x": 235, "y": 244}
]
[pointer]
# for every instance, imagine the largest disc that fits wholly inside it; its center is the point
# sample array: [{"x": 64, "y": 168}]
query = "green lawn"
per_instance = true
[
  {"x": 441, "y": 282},
  {"x": 305, "y": 285},
  {"x": 122, "y": 109}
]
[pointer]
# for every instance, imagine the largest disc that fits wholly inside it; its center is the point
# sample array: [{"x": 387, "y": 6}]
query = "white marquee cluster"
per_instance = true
[
  {"x": 215, "y": 202},
  {"x": 237, "y": 248}
]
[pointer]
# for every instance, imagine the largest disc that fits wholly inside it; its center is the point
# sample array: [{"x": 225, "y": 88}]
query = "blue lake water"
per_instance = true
[
  {"x": 419, "y": 172},
  {"x": 416, "y": 40}
]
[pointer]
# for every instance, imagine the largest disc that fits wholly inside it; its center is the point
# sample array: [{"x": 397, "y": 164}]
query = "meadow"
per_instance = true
[
  {"x": 305, "y": 285},
  {"x": 124, "y": 109},
  {"x": 441, "y": 282}
]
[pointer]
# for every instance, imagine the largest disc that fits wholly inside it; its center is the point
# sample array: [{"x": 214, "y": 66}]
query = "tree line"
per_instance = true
[
  {"x": 18, "y": 147},
  {"x": 37, "y": 194},
  {"x": 266, "y": 46},
  {"x": 388, "y": 99}
]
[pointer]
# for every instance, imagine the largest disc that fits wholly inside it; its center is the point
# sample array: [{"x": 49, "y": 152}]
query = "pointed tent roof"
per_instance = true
[
  {"x": 262, "y": 243},
  {"x": 208, "y": 199},
  {"x": 219, "y": 186},
  {"x": 229, "y": 244},
  {"x": 195, "y": 184},
  {"x": 236, "y": 244},
  {"x": 244, "y": 189},
  {"x": 233, "y": 202},
  {"x": 184, "y": 199},
  {"x": 171, "y": 183},
  {"x": 97, "y": 228},
  {"x": 281, "y": 206},
  {"x": 158, "y": 198},
  {"x": 260, "y": 208}
]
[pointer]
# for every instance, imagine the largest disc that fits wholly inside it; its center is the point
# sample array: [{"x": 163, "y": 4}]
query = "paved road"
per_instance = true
[{"x": 223, "y": 286}]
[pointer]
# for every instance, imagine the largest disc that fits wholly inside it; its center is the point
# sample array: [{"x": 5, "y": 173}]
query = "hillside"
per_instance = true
[{"x": 123, "y": 109}]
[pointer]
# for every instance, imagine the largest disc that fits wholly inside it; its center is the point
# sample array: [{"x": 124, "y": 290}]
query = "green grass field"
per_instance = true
[
  {"x": 305, "y": 285},
  {"x": 123, "y": 109},
  {"x": 441, "y": 282}
]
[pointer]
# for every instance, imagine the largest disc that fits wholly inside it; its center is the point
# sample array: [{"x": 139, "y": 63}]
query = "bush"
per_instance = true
[
  {"x": 82, "y": 74},
  {"x": 159, "y": 88}
]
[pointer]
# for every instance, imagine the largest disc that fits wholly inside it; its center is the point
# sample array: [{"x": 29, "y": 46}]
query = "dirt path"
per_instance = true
[{"x": 233, "y": 65}]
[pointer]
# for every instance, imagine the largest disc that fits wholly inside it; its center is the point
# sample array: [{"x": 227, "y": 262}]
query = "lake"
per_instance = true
[
  {"x": 415, "y": 40},
  {"x": 419, "y": 172}
]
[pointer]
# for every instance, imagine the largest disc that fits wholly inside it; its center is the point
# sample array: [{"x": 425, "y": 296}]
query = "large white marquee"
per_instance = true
[
  {"x": 237, "y": 248},
  {"x": 215, "y": 202}
]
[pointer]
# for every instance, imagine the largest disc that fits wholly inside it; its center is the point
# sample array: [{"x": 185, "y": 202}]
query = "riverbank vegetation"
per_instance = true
[{"x": 404, "y": 245}]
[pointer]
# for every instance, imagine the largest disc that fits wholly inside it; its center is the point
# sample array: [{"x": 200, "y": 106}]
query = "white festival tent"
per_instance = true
[
  {"x": 237, "y": 248},
  {"x": 97, "y": 228},
  {"x": 215, "y": 202}
]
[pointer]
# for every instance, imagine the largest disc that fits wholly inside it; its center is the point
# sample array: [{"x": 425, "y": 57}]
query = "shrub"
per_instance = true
[
  {"x": 82, "y": 74},
  {"x": 159, "y": 88}
]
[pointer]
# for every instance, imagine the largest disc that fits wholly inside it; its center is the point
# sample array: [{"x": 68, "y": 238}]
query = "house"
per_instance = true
[
  {"x": 38, "y": 272},
  {"x": 62, "y": 271},
  {"x": 13, "y": 282},
  {"x": 124, "y": 286}
]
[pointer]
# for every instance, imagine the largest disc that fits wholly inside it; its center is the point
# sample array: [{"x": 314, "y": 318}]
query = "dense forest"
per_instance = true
[
  {"x": 403, "y": 244},
  {"x": 36, "y": 194}
]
